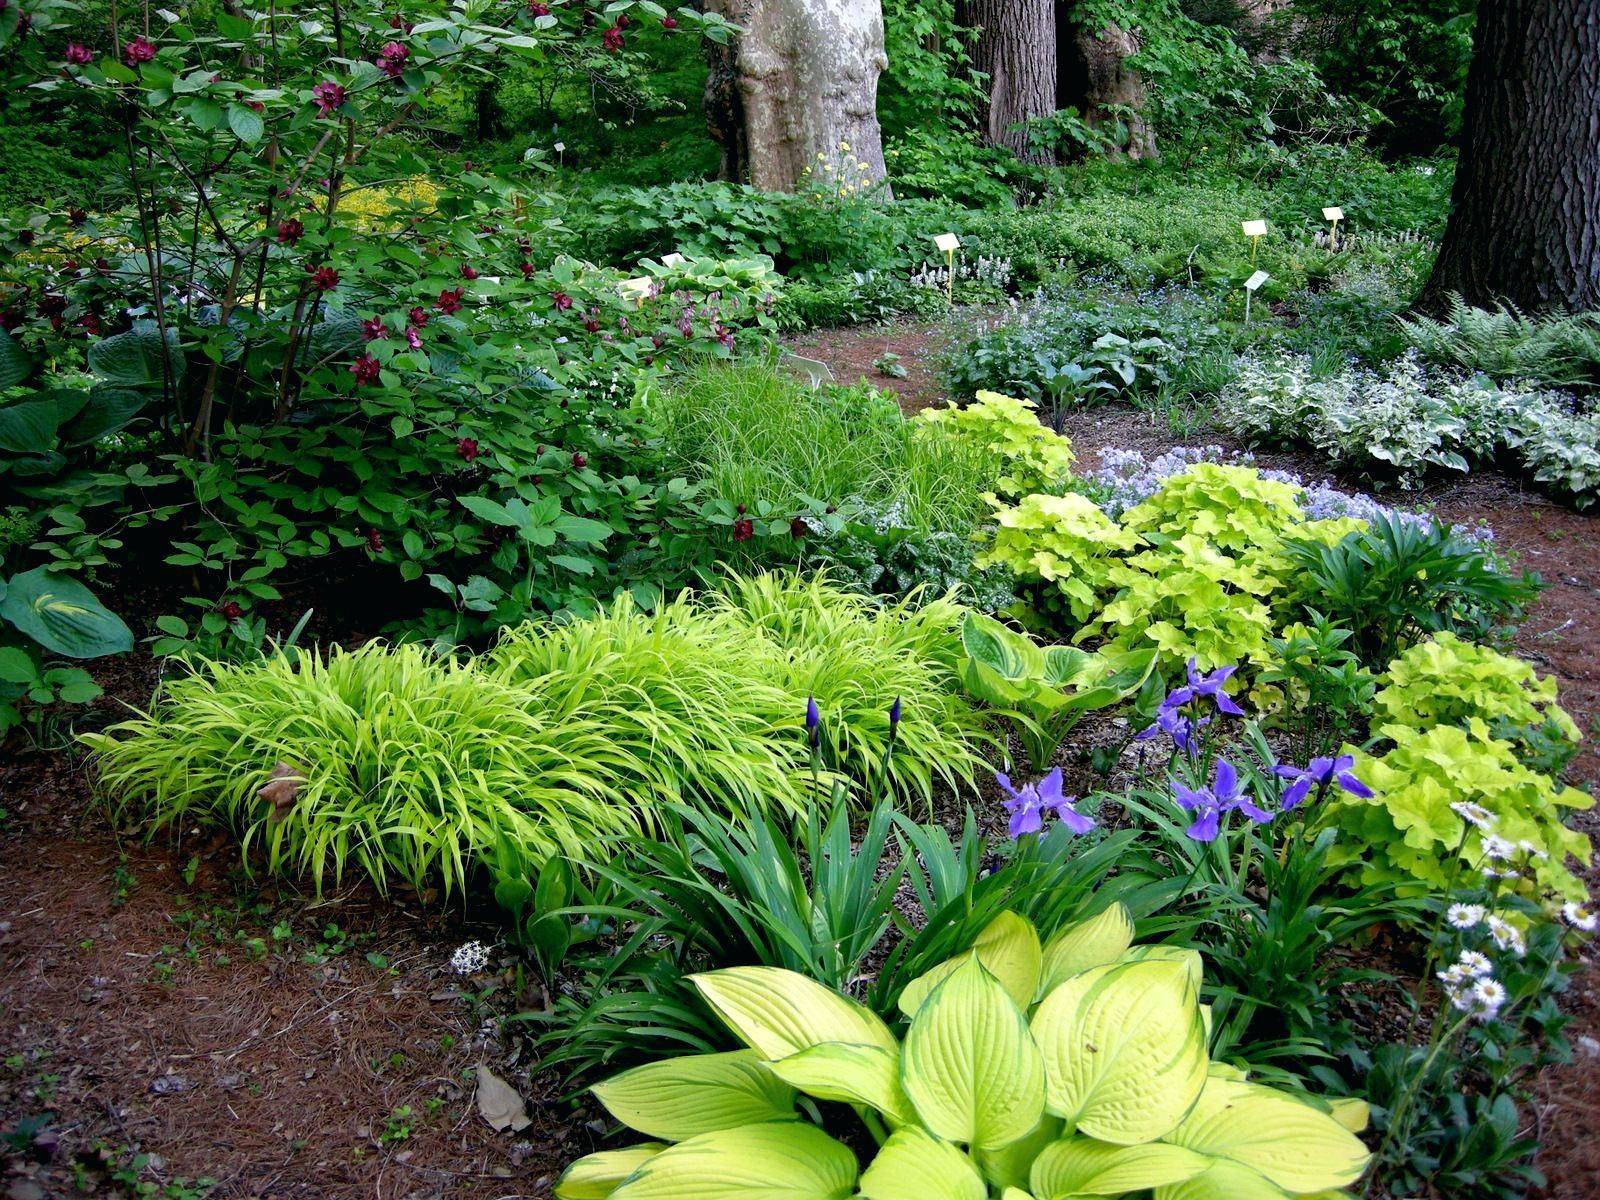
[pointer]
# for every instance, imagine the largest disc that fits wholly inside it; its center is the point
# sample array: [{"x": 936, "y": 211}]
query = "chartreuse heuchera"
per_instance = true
[{"x": 1074, "y": 1068}]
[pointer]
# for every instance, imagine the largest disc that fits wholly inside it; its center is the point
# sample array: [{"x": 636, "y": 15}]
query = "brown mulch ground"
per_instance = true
[{"x": 156, "y": 1000}]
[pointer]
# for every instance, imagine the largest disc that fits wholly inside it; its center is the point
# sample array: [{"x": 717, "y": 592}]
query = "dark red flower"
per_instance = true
[
  {"x": 77, "y": 215},
  {"x": 255, "y": 106},
  {"x": 365, "y": 369},
  {"x": 450, "y": 299},
  {"x": 140, "y": 50},
  {"x": 373, "y": 329},
  {"x": 52, "y": 304},
  {"x": 324, "y": 278},
  {"x": 611, "y": 39},
  {"x": 230, "y": 610},
  {"x": 79, "y": 56},
  {"x": 592, "y": 322},
  {"x": 374, "y": 541},
  {"x": 561, "y": 300},
  {"x": 418, "y": 316},
  {"x": 744, "y": 529},
  {"x": 103, "y": 265},
  {"x": 413, "y": 338},
  {"x": 527, "y": 270},
  {"x": 400, "y": 23},
  {"x": 25, "y": 236},
  {"x": 468, "y": 271},
  {"x": 579, "y": 461},
  {"x": 536, "y": 9},
  {"x": 622, "y": 21},
  {"x": 669, "y": 22},
  {"x": 392, "y": 59},
  {"x": 468, "y": 448},
  {"x": 327, "y": 96},
  {"x": 90, "y": 324},
  {"x": 290, "y": 231},
  {"x": 739, "y": 508},
  {"x": 798, "y": 527}
]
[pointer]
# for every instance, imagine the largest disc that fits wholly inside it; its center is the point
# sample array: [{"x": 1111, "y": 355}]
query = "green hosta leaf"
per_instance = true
[
  {"x": 781, "y": 1012},
  {"x": 63, "y": 616},
  {"x": 915, "y": 1165},
  {"x": 679, "y": 1098},
  {"x": 108, "y": 410},
  {"x": 1224, "y": 1180},
  {"x": 1095, "y": 942},
  {"x": 133, "y": 358},
  {"x": 1015, "y": 1193},
  {"x": 29, "y": 426},
  {"x": 851, "y": 1075},
  {"x": 1124, "y": 1050},
  {"x": 1084, "y": 1167},
  {"x": 1011, "y": 655},
  {"x": 1191, "y": 960},
  {"x": 1294, "y": 1145},
  {"x": 1009, "y": 950},
  {"x": 1008, "y": 1166},
  {"x": 969, "y": 1064},
  {"x": 596, "y": 1176},
  {"x": 14, "y": 361},
  {"x": 790, "y": 1161}
]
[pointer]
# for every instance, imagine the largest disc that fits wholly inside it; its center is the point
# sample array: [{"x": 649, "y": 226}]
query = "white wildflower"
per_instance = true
[
  {"x": 1474, "y": 964},
  {"x": 1507, "y": 936},
  {"x": 469, "y": 958},
  {"x": 1489, "y": 995},
  {"x": 1473, "y": 814},
  {"x": 1497, "y": 849},
  {"x": 1465, "y": 916},
  {"x": 1578, "y": 917},
  {"x": 1531, "y": 850}
]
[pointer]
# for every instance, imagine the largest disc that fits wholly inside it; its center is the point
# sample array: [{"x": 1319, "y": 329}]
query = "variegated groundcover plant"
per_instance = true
[{"x": 1027, "y": 1071}]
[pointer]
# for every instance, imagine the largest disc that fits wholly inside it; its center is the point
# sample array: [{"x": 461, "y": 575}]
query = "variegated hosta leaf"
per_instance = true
[
  {"x": 1189, "y": 958},
  {"x": 1080, "y": 1166},
  {"x": 781, "y": 1012},
  {"x": 969, "y": 1064},
  {"x": 867, "y": 1075},
  {"x": 678, "y": 1098},
  {"x": 1008, "y": 1166},
  {"x": 1292, "y": 1144},
  {"x": 915, "y": 1165},
  {"x": 789, "y": 1161},
  {"x": 596, "y": 1176},
  {"x": 1223, "y": 1180},
  {"x": 1124, "y": 1050},
  {"x": 1008, "y": 948},
  {"x": 1101, "y": 939}
]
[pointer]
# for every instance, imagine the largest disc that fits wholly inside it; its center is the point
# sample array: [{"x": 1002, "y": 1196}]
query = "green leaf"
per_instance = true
[
  {"x": 1007, "y": 1166},
  {"x": 246, "y": 124},
  {"x": 29, "y": 426},
  {"x": 1081, "y": 1166},
  {"x": 781, "y": 1012},
  {"x": 487, "y": 510},
  {"x": 1009, "y": 950},
  {"x": 1095, "y": 942},
  {"x": 915, "y": 1165},
  {"x": 1297, "y": 1147},
  {"x": 108, "y": 410},
  {"x": 582, "y": 530},
  {"x": 678, "y": 1098},
  {"x": 596, "y": 1176},
  {"x": 17, "y": 665},
  {"x": 969, "y": 1064},
  {"x": 1124, "y": 1049},
  {"x": 850, "y": 1074},
  {"x": 791, "y": 1161},
  {"x": 1225, "y": 1180},
  {"x": 63, "y": 616},
  {"x": 15, "y": 364},
  {"x": 133, "y": 358}
]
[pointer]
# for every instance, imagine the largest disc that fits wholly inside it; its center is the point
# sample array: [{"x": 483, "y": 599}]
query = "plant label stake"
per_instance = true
[
  {"x": 948, "y": 243},
  {"x": 1255, "y": 231},
  {"x": 1250, "y": 286},
  {"x": 1333, "y": 214},
  {"x": 637, "y": 289},
  {"x": 673, "y": 260},
  {"x": 561, "y": 154}
]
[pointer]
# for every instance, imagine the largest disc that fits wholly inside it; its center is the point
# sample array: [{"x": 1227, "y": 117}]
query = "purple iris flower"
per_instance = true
[
  {"x": 1028, "y": 804},
  {"x": 894, "y": 714},
  {"x": 1205, "y": 686},
  {"x": 1183, "y": 730},
  {"x": 813, "y": 721},
  {"x": 1320, "y": 773},
  {"x": 1209, "y": 803}
]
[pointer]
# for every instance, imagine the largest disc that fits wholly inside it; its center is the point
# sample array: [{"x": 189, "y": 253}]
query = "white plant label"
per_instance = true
[
  {"x": 1335, "y": 213},
  {"x": 636, "y": 289},
  {"x": 948, "y": 242},
  {"x": 1256, "y": 281},
  {"x": 673, "y": 260},
  {"x": 1256, "y": 228},
  {"x": 560, "y": 146}
]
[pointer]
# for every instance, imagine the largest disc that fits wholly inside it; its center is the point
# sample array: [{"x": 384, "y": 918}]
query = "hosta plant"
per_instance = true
[{"x": 1072, "y": 1068}]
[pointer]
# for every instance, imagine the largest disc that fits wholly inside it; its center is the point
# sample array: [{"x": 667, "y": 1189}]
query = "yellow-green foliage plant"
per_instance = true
[
  {"x": 1034, "y": 457},
  {"x": 1065, "y": 541},
  {"x": 1067, "y": 1069},
  {"x": 1448, "y": 802}
]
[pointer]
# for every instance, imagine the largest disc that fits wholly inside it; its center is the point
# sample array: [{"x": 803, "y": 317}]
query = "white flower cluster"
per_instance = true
[
  {"x": 469, "y": 958},
  {"x": 1471, "y": 987}
]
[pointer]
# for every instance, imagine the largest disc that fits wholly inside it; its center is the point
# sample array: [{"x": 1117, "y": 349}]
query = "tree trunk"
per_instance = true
[
  {"x": 794, "y": 98},
  {"x": 1525, "y": 212},
  {"x": 1015, "y": 46},
  {"x": 1097, "y": 80}
]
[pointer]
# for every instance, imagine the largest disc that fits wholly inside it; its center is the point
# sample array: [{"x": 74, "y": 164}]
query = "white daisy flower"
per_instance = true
[
  {"x": 1507, "y": 936},
  {"x": 1497, "y": 849},
  {"x": 1474, "y": 964},
  {"x": 1489, "y": 995},
  {"x": 1531, "y": 850},
  {"x": 1473, "y": 814},
  {"x": 1578, "y": 917},
  {"x": 1465, "y": 916},
  {"x": 1460, "y": 998}
]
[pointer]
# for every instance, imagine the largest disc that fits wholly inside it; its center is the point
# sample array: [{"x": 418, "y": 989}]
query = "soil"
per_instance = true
[{"x": 169, "y": 1016}]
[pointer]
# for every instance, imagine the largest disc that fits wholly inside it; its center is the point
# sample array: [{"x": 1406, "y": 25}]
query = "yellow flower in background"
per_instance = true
[{"x": 843, "y": 145}]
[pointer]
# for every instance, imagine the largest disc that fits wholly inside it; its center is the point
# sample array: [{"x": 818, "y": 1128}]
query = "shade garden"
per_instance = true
[{"x": 474, "y": 624}]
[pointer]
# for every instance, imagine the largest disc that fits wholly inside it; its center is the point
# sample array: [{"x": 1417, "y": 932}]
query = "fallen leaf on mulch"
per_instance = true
[
  {"x": 499, "y": 1102},
  {"x": 281, "y": 789}
]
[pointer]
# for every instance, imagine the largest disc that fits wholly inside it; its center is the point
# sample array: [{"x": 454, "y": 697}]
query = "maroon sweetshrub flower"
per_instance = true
[
  {"x": 468, "y": 271},
  {"x": 373, "y": 329},
  {"x": 374, "y": 541},
  {"x": 579, "y": 461},
  {"x": 365, "y": 369},
  {"x": 400, "y": 23},
  {"x": 230, "y": 610},
  {"x": 79, "y": 56},
  {"x": 561, "y": 300},
  {"x": 392, "y": 59},
  {"x": 327, "y": 96},
  {"x": 798, "y": 527},
  {"x": 669, "y": 22},
  {"x": 52, "y": 304},
  {"x": 140, "y": 50},
  {"x": 418, "y": 316},
  {"x": 527, "y": 269},
  {"x": 290, "y": 231},
  {"x": 744, "y": 529},
  {"x": 90, "y": 324},
  {"x": 611, "y": 39},
  {"x": 591, "y": 321},
  {"x": 77, "y": 215},
  {"x": 450, "y": 299},
  {"x": 325, "y": 279},
  {"x": 413, "y": 338},
  {"x": 468, "y": 448},
  {"x": 537, "y": 9}
]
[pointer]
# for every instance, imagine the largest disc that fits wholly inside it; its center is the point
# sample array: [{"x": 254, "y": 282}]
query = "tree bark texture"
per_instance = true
[
  {"x": 1524, "y": 220},
  {"x": 794, "y": 99},
  {"x": 1114, "y": 91},
  {"x": 1014, "y": 44}
]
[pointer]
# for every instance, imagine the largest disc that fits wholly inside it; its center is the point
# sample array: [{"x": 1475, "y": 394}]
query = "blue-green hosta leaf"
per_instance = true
[
  {"x": 969, "y": 1065},
  {"x": 14, "y": 361},
  {"x": 850, "y": 1074},
  {"x": 1124, "y": 1050},
  {"x": 1009, "y": 950},
  {"x": 596, "y": 1176},
  {"x": 678, "y": 1098},
  {"x": 1080, "y": 1166},
  {"x": 789, "y": 1161},
  {"x": 30, "y": 426},
  {"x": 1011, "y": 655},
  {"x": 782, "y": 1012},
  {"x": 108, "y": 410},
  {"x": 1093, "y": 942},
  {"x": 133, "y": 358},
  {"x": 915, "y": 1165},
  {"x": 1297, "y": 1147},
  {"x": 63, "y": 616}
]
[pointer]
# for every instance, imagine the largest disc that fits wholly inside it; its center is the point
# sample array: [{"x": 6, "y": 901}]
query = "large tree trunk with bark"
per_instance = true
[
  {"x": 1014, "y": 44},
  {"x": 794, "y": 98},
  {"x": 1113, "y": 93},
  {"x": 1525, "y": 213}
]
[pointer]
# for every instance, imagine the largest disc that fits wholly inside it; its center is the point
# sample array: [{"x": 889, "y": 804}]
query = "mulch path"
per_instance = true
[{"x": 158, "y": 1000}]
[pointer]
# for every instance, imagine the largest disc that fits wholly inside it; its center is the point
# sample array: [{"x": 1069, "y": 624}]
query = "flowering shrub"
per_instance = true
[{"x": 1453, "y": 799}]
